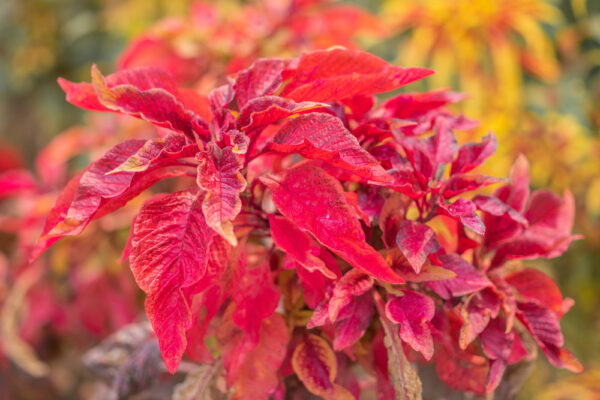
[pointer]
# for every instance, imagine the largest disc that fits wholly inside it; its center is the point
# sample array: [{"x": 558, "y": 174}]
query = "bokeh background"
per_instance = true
[{"x": 531, "y": 69}]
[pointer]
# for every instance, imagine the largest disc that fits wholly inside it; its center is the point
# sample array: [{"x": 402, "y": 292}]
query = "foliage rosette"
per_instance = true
[{"x": 316, "y": 230}]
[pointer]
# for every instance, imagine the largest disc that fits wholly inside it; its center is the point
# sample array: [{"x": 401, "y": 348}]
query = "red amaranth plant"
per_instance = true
[{"x": 315, "y": 224}]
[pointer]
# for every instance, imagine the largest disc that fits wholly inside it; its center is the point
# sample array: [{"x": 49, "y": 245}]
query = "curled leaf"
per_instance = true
[{"x": 316, "y": 366}]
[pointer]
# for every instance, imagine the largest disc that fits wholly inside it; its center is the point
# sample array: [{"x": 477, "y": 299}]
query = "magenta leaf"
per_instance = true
[
  {"x": 416, "y": 241},
  {"x": 468, "y": 279},
  {"x": 413, "y": 312},
  {"x": 472, "y": 155},
  {"x": 464, "y": 211},
  {"x": 461, "y": 183},
  {"x": 353, "y": 321}
]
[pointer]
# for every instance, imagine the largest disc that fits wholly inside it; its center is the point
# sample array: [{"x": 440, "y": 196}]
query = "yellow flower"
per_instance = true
[{"x": 479, "y": 47}]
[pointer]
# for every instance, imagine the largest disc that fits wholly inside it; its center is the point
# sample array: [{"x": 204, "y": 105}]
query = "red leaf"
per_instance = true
[
  {"x": 413, "y": 312},
  {"x": 416, "y": 241},
  {"x": 145, "y": 93},
  {"x": 464, "y": 211},
  {"x": 336, "y": 74},
  {"x": 476, "y": 312},
  {"x": 533, "y": 285},
  {"x": 548, "y": 234},
  {"x": 472, "y": 155},
  {"x": 258, "y": 375},
  {"x": 157, "y": 151},
  {"x": 57, "y": 214},
  {"x": 97, "y": 193},
  {"x": 169, "y": 252},
  {"x": 315, "y": 202},
  {"x": 323, "y": 137},
  {"x": 353, "y": 321},
  {"x": 442, "y": 146},
  {"x": 316, "y": 366},
  {"x": 429, "y": 272},
  {"x": 218, "y": 174},
  {"x": 462, "y": 371},
  {"x": 461, "y": 183},
  {"x": 254, "y": 294},
  {"x": 298, "y": 244},
  {"x": 262, "y": 111},
  {"x": 543, "y": 325},
  {"x": 263, "y": 78},
  {"x": 516, "y": 194},
  {"x": 353, "y": 283},
  {"x": 468, "y": 279},
  {"x": 497, "y": 345},
  {"x": 493, "y": 206},
  {"x": 413, "y": 105},
  {"x": 15, "y": 181}
]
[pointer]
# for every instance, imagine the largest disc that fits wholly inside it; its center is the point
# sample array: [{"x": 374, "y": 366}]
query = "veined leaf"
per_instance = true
[{"x": 315, "y": 202}]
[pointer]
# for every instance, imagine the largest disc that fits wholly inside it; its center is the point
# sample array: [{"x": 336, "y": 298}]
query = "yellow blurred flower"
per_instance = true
[{"x": 479, "y": 47}]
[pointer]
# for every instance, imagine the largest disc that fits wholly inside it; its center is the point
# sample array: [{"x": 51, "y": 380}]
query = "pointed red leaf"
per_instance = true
[
  {"x": 516, "y": 194},
  {"x": 169, "y": 252},
  {"x": 262, "y": 111},
  {"x": 493, "y": 206},
  {"x": 97, "y": 193},
  {"x": 353, "y": 322},
  {"x": 219, "y": 174},
  {"x": 261, "y": 79},
  {"x": 429, "y": 272},
  {"x": 533, "y": 285},
  {"x": 158, "y": 151},
  {"x": 298, "y": 244},
  {"x": 316, "y": 366},
  {"x": 461, "y": 183},
  {"x": 413, "y": 105},
  {"x": 463, "y": 210},
  {"x": 442, "y": 146},
  {"x": 476, "y": 312},
  {"x": 255, "y": 295},
  {"x": 543, "y": 325},
  {"x": 258, "y": 375},
  {"x": 315, "y": 202},
  {"x": 468, "y": 279},
  {"x": 338, "y": 73},
  {"x": 149, "y": 96},
  {"x": 323, "y": 137},
  {"x": 413, "y": 312},
  {"x": 416, "y": 241},
  {"x": 353, "y": 283},
  {"x": 472, "y": 155}
]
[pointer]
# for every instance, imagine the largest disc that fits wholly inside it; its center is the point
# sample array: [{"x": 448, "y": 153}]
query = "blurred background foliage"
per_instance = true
[{"x": 531, "y": 69}]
